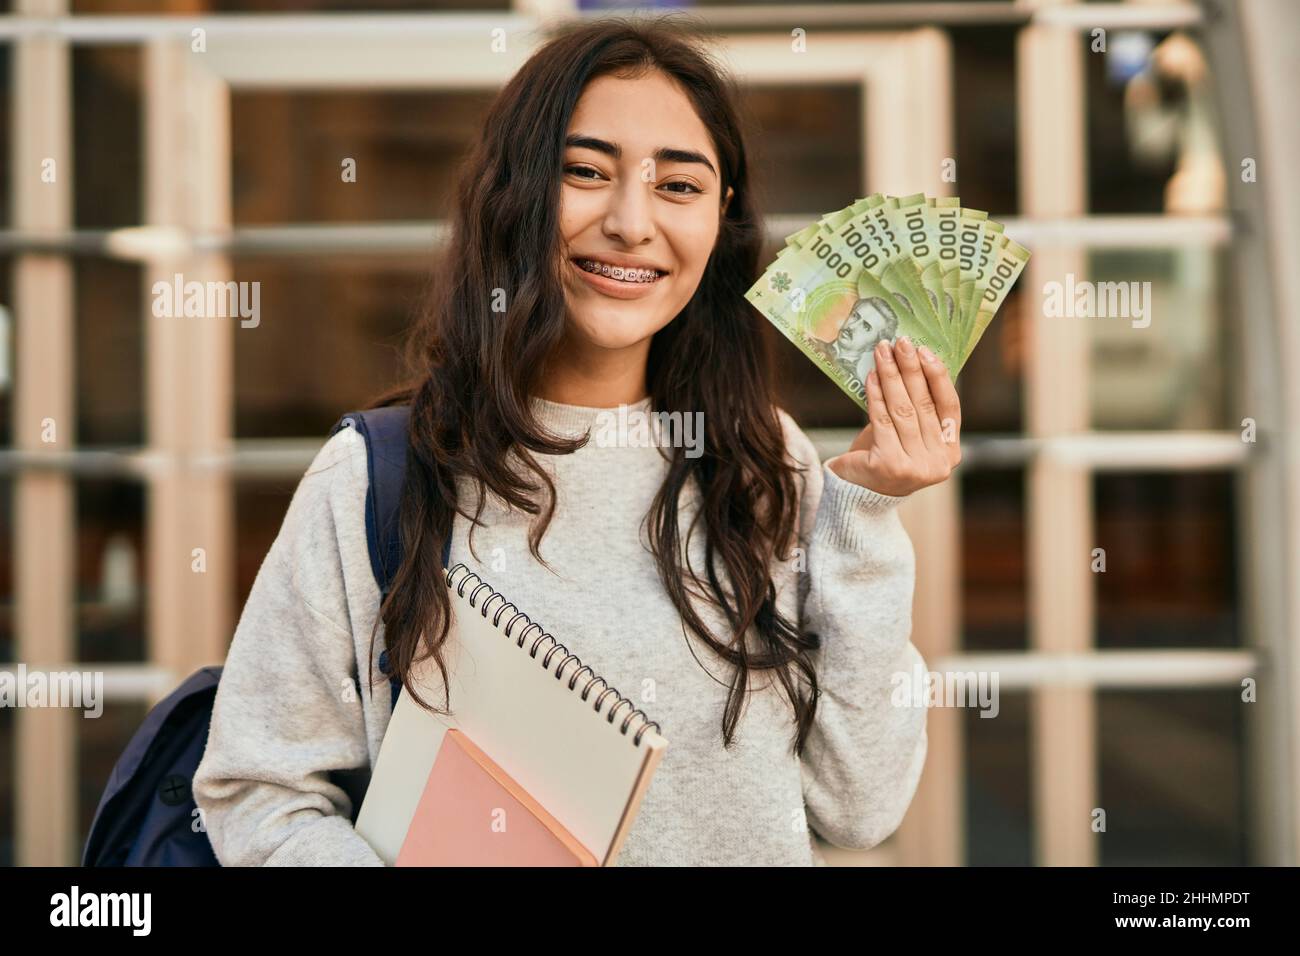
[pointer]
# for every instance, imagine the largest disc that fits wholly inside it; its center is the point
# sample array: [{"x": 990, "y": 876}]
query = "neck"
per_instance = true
[{"x": 598, "y": 378}]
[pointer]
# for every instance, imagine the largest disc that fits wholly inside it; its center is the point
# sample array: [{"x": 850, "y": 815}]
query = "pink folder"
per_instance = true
[{"x": 472, "y": 813}]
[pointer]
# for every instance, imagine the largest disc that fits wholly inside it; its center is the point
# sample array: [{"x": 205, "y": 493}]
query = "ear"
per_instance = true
[{"x": 727, "y": 200}]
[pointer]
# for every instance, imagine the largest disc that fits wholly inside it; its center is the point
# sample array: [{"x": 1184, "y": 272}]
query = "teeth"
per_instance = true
[{"x": 618, "y": 272}]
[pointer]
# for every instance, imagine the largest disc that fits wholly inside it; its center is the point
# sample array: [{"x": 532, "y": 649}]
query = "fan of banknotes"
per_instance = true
[{"x": 884, "y": 267}]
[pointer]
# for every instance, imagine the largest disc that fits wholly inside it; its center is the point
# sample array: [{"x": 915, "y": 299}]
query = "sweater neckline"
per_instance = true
[{"x": 560, "y": 418}]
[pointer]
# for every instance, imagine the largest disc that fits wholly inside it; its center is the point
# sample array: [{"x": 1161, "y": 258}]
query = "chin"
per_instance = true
[{"x": 617, "y": 331}]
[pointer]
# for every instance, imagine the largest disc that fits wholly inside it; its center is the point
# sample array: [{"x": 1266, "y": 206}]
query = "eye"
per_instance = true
[
  {"x": 582, "y": 169},
  {"x": 690, "y": 187}
]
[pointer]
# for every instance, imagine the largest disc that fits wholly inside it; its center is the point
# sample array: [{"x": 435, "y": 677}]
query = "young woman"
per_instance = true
[{"x": 757, "y": 601}]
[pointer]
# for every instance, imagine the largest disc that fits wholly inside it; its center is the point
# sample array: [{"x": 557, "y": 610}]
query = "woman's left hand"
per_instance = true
[{"x": 914, "y": 436}]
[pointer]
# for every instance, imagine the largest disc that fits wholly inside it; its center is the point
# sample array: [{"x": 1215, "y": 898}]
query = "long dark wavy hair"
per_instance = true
[{"x": 474, "y": 370}]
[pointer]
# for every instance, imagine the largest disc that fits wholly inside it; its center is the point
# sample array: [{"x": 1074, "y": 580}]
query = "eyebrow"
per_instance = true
[{"x": 664, "y": 154}]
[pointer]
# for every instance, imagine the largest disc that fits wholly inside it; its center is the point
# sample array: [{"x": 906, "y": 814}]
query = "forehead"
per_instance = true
[{"x": 641, "y": 115}]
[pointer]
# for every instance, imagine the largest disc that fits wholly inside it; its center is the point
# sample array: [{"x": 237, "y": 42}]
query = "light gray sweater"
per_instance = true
[{"x": 287, "y": 711}]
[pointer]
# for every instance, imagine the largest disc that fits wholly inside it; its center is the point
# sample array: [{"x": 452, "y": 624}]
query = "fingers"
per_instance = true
[
  {"x": 918, "y": 390},
  {"x": 946, "y": 402},
  {"x": 882, "y": 431},
  {"x": 901, "y": 410}
]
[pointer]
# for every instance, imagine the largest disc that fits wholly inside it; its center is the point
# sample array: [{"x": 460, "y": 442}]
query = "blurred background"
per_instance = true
[{"x": 1120, "y": 142}]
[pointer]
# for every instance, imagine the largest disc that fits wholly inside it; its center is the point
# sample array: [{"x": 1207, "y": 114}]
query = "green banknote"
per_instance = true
[
  {"x": 866, "y": 236},
  {"x": 884, "y": 267}
]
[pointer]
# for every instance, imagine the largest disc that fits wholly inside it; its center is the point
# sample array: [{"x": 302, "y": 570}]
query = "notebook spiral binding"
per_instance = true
[{"x": 460, "y": 576}]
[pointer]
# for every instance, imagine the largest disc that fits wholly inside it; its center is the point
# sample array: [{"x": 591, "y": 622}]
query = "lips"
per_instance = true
[
  {"x": 621, "y": 270},
  {"x": 617, "y": 288}
]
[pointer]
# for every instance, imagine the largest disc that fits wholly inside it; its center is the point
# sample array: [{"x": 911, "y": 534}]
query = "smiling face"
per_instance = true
[{"x": 640, "y": 187}]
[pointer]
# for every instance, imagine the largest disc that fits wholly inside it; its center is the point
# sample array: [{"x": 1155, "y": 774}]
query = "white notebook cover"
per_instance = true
[{"x": 570, "y": 758}]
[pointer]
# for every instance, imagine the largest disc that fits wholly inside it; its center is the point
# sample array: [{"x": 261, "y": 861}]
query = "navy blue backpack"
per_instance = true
[{"x": 147, "y": 815}]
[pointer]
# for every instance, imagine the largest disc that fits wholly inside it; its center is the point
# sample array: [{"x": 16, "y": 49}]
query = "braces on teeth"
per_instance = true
[{"x": 618, "y": 272}]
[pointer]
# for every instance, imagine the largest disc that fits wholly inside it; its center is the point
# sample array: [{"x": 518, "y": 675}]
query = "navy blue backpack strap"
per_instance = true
[{"x": 385, "y": 434}]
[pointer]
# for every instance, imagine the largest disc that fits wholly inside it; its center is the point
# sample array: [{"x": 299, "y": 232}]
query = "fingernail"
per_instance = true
[
  {"x": 904, "y": 345},
  {"x": 885, "y": 352},
  {"x": 926, "y": 354}
]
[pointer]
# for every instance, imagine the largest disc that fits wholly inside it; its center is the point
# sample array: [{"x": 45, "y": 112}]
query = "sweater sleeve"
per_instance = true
[
  {"x": 286, "y": 712},
  {"x": 863, "y": 757}
]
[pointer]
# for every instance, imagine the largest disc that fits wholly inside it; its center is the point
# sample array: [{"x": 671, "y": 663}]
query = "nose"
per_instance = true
[{"x": 630, "y": 216}]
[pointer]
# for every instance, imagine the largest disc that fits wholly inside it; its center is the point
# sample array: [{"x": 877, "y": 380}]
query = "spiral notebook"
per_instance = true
[{"x": 534, "y": 721}]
